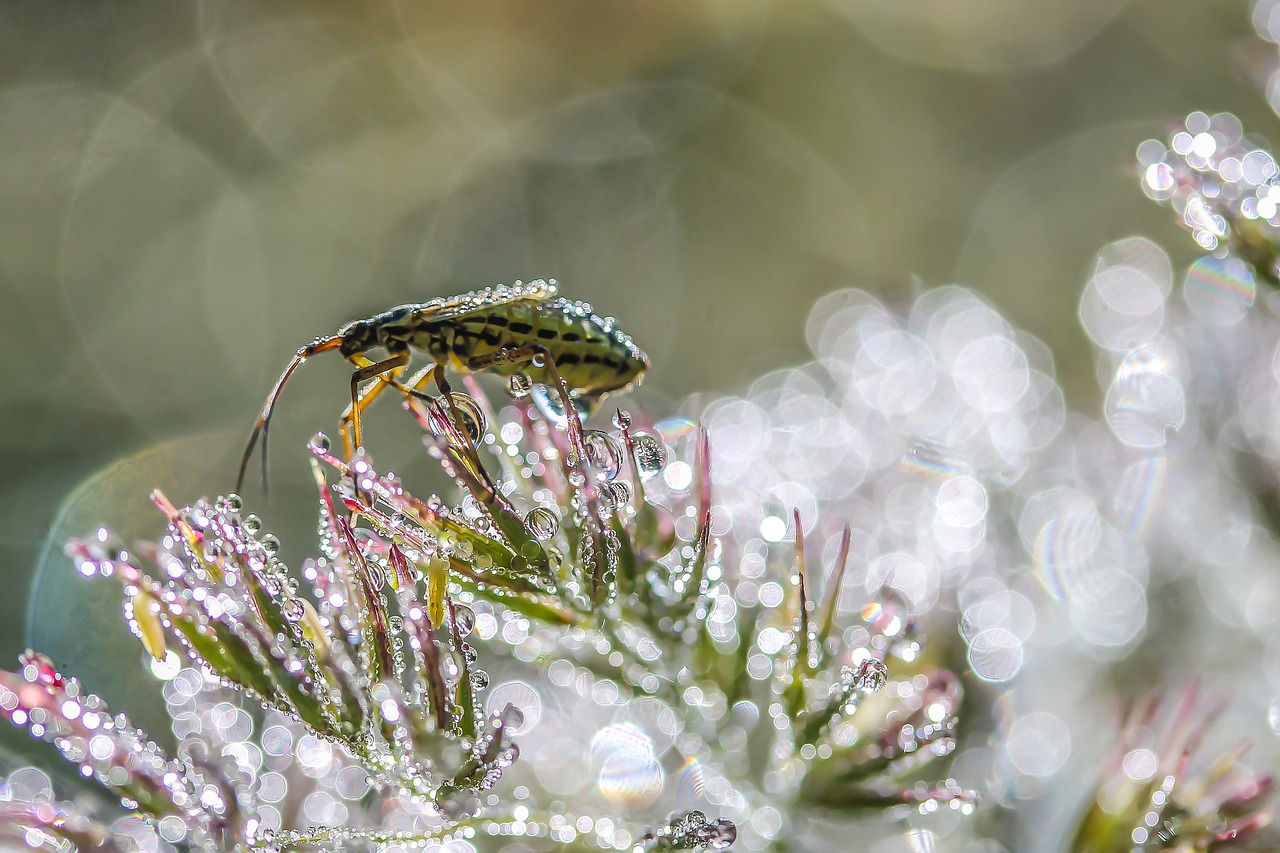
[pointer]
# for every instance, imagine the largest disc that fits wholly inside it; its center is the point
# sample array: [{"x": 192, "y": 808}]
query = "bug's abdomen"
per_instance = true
[{"x": 591, "y": 358}]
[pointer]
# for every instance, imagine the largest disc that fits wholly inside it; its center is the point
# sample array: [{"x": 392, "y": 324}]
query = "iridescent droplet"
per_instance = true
[
  {"x": 319, "y": 443},
  {"x": 541, "y": 523},
  {"x": 651, "y": 456}
]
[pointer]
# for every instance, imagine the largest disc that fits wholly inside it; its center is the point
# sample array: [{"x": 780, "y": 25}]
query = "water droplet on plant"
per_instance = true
[
  {"x": 252, "y": 524},
  {"x": 292, "y": 609},
  {"x": 235, "y": 503},
  {"x": 651, "y": 456},
  {"x": 464, "y": 619},
  {"x": 450, "y": 668},
  {"x": 541, "y": 523},
  {"x": 469, "y": 654},
  {"x": 619, "y": 494},
  {"x": 622, "y": 419},
  {"x": 270, "y": 544},
  {"x": 519, "y": 385},
  {"x": 726, "y": 832},
  {"x": 479, "y": 679},
  {"x": 473, "y": 421},
  {"x": 867, "y": 677},
  {"x": 604, "y": 453},
  {"x": 319, "y": 443}
]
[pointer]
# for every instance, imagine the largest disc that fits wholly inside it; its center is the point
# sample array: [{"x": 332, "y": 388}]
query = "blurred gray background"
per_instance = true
[{"x": 189, "y": 191}]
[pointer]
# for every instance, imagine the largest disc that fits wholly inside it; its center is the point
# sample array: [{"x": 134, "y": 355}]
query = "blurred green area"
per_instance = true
[{"x": 188, "y": 192}]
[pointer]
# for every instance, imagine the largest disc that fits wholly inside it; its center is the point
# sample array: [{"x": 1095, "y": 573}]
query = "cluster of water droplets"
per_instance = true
[
  {"x": 692, "y": 831},
  {"x": 912, "y": 425}
]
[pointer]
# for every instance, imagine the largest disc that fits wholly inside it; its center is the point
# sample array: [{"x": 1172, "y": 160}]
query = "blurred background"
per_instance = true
[{"x": 188, "y": 192}]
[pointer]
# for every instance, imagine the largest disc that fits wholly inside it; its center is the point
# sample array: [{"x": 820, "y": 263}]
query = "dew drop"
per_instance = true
[
  {"x": 479, "y": 680},
  {"x": 604, "y": 453},
  {"x": 252, "y": 524},
  {"x": 235, "y": 503},
  {"x": 725, "y": 833},
  {"x": 270, "y": 544},
  {"x": 473, "y": 420},
  {"x": 292, "y": 609},
  {"x": 319, "y": 443},
  {"x": 651, "y": 456},
  {"x": 619, "y": 494},
  {"x": 519, "y": 385},
  {"x": 464, "y": 620},
  {"x": 541, "y": 523},
  {"x": 622, "y": 419},
  {"x": 867, "y": 677}
]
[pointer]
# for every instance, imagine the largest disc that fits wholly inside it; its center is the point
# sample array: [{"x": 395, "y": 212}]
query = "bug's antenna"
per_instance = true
[{"x": 263, "y": 424}]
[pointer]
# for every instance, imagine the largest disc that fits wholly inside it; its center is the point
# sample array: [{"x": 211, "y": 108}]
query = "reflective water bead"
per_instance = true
[
  {"x": 479, "y": 679},
  {"x": 252, "y": 524},
  {"x": 235, "y": 503},
  {"x": 319, "y": 443},
  {"x": 622, "y": 419},
  {"x": 292, "y": 609},
  {"x": 868, "y": 677},
  {"x": 541, "y": 523},
  {"x": 651, "y": 456},
  {"x": 603, "y": 452},
  {"x": 464, "y": 620},
  {"x": 270, "y": 544},
  {"x": 726, "y": 832},
  {"x": 473, "y": 420},
  {"x": 619, "y": 494},
  {"x": 519, "y": 385}
]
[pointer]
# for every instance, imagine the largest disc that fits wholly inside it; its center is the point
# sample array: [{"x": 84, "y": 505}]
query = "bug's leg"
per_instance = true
[
  {"x": 437, "y": 373},
  {"x": 350, "y": 423},
  {"x": 531, "y": 354}
]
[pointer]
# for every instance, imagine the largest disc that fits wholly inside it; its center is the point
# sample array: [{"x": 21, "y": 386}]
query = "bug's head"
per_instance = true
[{"x": 358, "y": 337}]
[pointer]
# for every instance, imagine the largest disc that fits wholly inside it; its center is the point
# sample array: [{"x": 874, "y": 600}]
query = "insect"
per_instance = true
[{"x": 523, "y": 329}]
